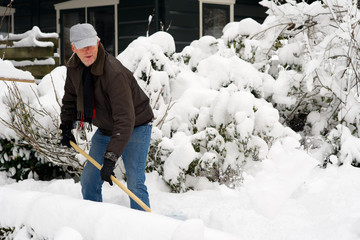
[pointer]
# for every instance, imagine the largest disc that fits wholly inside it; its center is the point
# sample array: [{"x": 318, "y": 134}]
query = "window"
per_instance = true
[
  {"x": 8, "y": 22},
  {"x": 214, "y": 15},
  {"x": 101, "y": 14},
  {"x": 102, "y": 18}
]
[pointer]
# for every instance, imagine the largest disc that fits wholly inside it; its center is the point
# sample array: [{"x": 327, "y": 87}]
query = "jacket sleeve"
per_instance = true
[
  {"x": 123, "y": 113},
  {"x": 68, "y": 103}
]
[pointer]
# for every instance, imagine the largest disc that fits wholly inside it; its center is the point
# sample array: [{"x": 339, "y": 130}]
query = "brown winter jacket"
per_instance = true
[{"x": 120, "y": 103}]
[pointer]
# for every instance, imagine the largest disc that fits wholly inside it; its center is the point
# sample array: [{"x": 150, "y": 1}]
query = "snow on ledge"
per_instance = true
[
  {"x": 49, "y": 61},
  {"x": 29, "y": 38}
]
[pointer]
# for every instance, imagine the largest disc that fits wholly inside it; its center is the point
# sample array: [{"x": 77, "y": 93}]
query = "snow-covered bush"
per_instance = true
[
  {"x": 323, "y": 39},
  {"x": 29, "y": 130},
  {"x": 236, "y": 35},
  {"x": 211, "y": 114},
  {"x": 24, "y": 231},
  {"x": 302, "y": 60},
  {"x": 20, "y": 161},
  {"x": 312, "y": 52}
]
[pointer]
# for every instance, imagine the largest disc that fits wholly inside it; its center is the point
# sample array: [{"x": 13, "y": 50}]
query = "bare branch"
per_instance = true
[{"x": 27, "y": 122}]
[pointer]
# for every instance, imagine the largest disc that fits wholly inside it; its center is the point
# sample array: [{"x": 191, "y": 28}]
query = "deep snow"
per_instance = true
[{"x": 322, "y": 204}]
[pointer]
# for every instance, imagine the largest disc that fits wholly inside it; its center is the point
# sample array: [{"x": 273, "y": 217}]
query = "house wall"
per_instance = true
[
  {"x": 184, "y": 19},
  {"x": 182, "y": 16},
  {"x": 31, "y": 13},
  {"x": 249, "y": 9},
  {"x": 133, "y": 20}
]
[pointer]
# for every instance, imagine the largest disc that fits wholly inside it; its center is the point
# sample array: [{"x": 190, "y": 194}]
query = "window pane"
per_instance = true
[
  {"x": 102, "y": 18},
  {"x": 4, "y": 28},
  {"x": 215, "y": 17}
]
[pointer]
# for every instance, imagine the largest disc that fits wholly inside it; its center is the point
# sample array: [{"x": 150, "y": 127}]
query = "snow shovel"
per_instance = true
[
  {"x": 17, "y": 80},
  {"x": 117, "y": 182}
]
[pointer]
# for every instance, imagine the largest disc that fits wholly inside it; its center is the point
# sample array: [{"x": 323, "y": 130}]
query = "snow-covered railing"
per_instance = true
[
  {"x": 10, "y": 73},
  {"x": 31, "y": 51}
]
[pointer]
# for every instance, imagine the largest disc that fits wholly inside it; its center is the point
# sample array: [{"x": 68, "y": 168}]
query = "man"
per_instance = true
[{"x": 99, "y": 90}]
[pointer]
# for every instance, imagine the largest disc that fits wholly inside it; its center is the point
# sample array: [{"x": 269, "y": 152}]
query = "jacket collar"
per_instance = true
[{"x": 97, "y": 68}]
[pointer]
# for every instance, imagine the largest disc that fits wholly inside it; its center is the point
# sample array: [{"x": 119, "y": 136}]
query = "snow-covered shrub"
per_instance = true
[
  {"x": 20, "y": 161},
  {"x": 25, "y": 232},
  {"x": 312, "y": 52},
  {"x": 31, "y": 119},
  {"x": 236, "y": 36},
  {"x": 302, "y": 60},
  {"x": 322, "y": 39},
  {"x": 344, "y": 145},
  {"x": 216, "y": 120}
]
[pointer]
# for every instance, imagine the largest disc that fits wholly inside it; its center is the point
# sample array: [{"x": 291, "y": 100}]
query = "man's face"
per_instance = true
[{"x": 88, "y": 54}]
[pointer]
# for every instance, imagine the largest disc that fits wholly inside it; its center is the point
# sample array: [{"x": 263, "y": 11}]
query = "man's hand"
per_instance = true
[
  {"x": 66, "y": 135},
  {"x": 107, "y": 170}
]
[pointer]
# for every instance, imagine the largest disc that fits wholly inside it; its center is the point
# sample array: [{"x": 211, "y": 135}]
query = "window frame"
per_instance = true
[
  {"x": 9, "y": 12},
  {"x": 230, "y": 3}
]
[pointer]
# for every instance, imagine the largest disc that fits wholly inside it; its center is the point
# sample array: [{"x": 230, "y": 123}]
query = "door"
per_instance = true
[
  {"x": 68, "y": 18},
  {"x": 102, "y": 18}
]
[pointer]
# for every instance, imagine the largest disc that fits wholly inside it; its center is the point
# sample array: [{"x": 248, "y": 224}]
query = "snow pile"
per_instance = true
[
  {"x": 9, "y": 71},
  {"x": 77, "y": 219},
  {"x": 277, "y": 179},
  {"x": 324, "y": 206}
]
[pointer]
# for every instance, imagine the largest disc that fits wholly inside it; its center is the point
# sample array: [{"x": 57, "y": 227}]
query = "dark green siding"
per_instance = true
[
  {"x": 133, "y": 20},
  {"x": 249, "y": 9},
  {"x": 31, "y": 13},
  {"x": 184, "y": 19}
]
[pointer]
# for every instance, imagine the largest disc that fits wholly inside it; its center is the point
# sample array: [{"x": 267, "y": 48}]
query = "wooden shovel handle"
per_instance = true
[
  {"x": 114, "y": 179},
  {"x": 17, "y": 80}
]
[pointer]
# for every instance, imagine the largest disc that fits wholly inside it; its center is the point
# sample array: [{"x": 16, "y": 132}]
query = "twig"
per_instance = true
[{"x": 162, "y": 120}]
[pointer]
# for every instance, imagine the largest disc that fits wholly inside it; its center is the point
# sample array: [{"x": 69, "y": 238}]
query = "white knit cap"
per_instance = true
[{"x": 83, "y": 35}]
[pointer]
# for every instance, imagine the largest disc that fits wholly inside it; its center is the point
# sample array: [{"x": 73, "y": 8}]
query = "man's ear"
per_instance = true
[{"x": 73, "y": 48}]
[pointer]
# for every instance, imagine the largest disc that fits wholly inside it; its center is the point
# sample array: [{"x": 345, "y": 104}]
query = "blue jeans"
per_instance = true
[{"x": 134, "y": 157}]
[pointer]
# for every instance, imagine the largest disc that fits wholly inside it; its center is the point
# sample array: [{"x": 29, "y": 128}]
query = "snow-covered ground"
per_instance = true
[{"x": 323, "y": 205}]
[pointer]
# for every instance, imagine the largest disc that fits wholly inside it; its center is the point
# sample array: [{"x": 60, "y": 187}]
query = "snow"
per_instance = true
[
  {"x": 9, "y": 71},
  {"x": 29, "y": 38},
  {"x": 277, "y": 180},
  {"x": 285, "y": 194},
  {"x": 48, "y": 61},
  {"x": 315, "y": 204},
  {"x": 56, "y": 208},
  {"x": 247, "y": 27}
]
